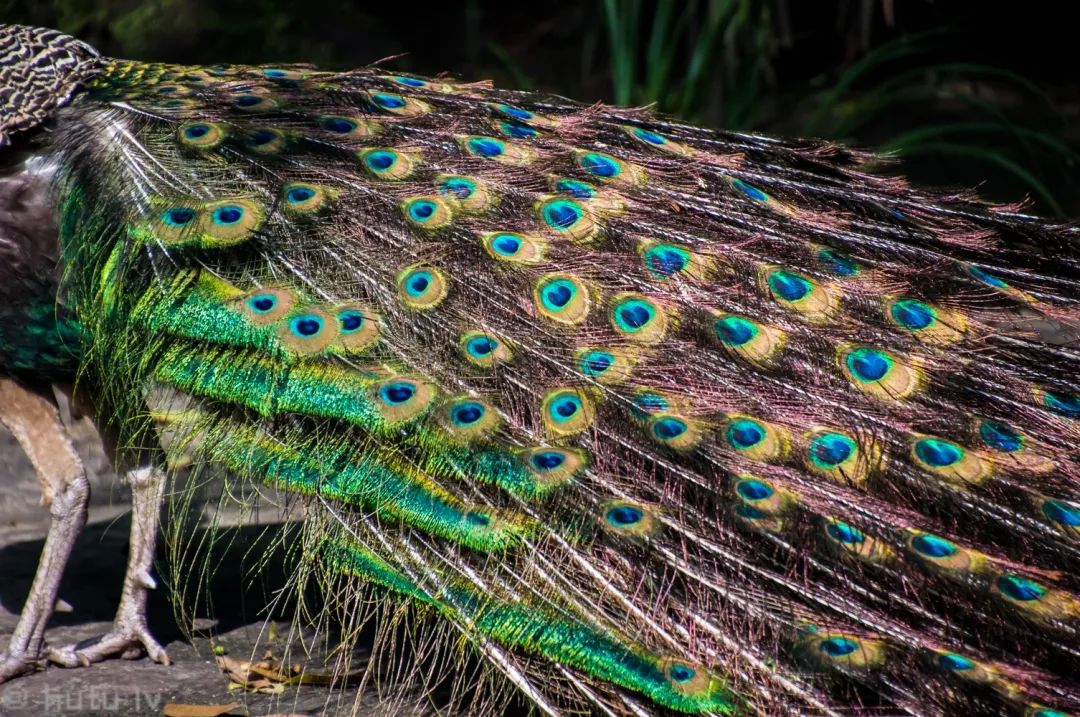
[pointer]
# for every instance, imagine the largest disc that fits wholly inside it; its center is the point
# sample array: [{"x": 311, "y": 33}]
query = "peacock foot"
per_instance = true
[
  {"x": 130, "y": 635},
  {"x": 129, "y": 639},
  {"x": 17, "y": 664}
]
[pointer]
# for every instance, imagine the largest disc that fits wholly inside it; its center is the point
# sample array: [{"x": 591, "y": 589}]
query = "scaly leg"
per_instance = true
[
  {"x": 34, "y": 422},
  {"x": 129, "y": 632}
]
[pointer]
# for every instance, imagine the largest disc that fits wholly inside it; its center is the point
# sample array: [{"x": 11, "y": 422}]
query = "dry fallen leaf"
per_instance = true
[{"x": 175, "y": 709}]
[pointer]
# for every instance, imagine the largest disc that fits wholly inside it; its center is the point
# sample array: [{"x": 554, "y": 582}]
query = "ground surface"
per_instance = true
[{"x": 136, "y": 688}]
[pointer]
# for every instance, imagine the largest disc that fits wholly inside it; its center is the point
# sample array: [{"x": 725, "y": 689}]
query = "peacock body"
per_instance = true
[{"x": 656, "y": 418}]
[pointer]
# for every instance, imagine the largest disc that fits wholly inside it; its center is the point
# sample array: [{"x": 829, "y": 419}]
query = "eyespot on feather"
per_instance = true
[
  {"x": 342, "y": 127},
  {"x": 566, "y": 411},
  {"x": 639, "y": 318},
  {"x": 497, "y": 150},
  {"x": 429, "y": 213},
  {"x": 949, "y": 460},
  {"x": 627, "y": 519},
  {"x": 484, "y": 349},
  {"x": 266, "y": 306},
  {"x": 301, "y": 198},
  {"x": 230, "y": 221},
  {"x": 674, "y": 431},
  {"x": 562, "y": 298},
  {"x": 357, "y": 326},
  {"x": 469, "y": 193},
  {"x": 513, "y": 247},
  {"x": 388, "y": 163},
  {"x": 840, "y": 457},
  {"x": 756, "y": 439},
  {"x": 880, "y": 373},
  {"x": 467, "y": 419},
  {"x": 565, "y": 218},
  {"x": 307, "y": 330},
  {"x": 201, "y": 136},
  {"x": 421, "y": 287},
  {"x": 816, "y": 302},
  {"x": 743, "y": 338},
  {"x": 402, "y": 398}
]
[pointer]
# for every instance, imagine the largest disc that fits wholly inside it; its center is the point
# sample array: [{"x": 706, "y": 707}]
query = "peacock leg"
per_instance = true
[
  {"x": 36, "y": 425},
  {"x": 129, "y": 633}
]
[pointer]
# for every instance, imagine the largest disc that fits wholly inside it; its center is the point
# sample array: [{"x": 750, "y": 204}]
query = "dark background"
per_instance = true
[{"x": 965, "y": 93}]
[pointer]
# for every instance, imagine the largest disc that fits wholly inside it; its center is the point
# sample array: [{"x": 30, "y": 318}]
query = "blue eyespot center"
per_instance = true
[
  {"x": 1019, "y": 588},
  {"x": 600, "y": 165},
  {"x": 506, "y": 244},
  {"x": 624, "y": 515},
  {"x": 838, "y": 646},
  {"x": 178, "y": 216},
  {"x": 248, "y": 100},
  {"x": 745, "y": 433},
  {"x": 938, "y": 453},
  {"x": 596, "y": 363},
  {"x": 409, "y": 81},
  {"x": 646, "y": 404},
  {"x": 635, "y": 315},
  {"x": 548, "y": 460},
  {"x": 565, "y": 407},
  {"x": 261, "y": 137},
  {"x": 838, "y": 263},
  {"x": 745, "y": 510},
  {"x": 262, "y": 303},
  {"x": 1062, "y": 513},
  {"x": 752, "y": 489},
  {"x": 576, "y": 189},
  {"x": 954, "y": 662},
  {"x": 933, "y": 547},
  {"x": 486, "y": 147},
  {"x": 518, "y": 130},
  {"x": 465, "y": 414},
  {"x": 417, "y": 283},
  {"x": 458, "y": 187},
  {"x": 229, "y": 214},
  {"x": 681, "y": 673},
  {"x": 789, "y": 286},
  {"x": 832, "y": 449},
  {"x": 481, "y": 346},
  {"x": 350, "y": 321},
  {"x": 381, "y": 160},
  {"x": 562, "y": 215},
  {"x": 388, "y": 101},
  {"x": 196, "y": 131},
  {"x": 913, "y": 315},
  {"x": 397, "y": 393},
  {"x": 515, "y": 112},
  {"x": 750, "y": 191},
  {"x": 650, "y": 137},
  {"x": 1066, "y": 404},
  {"x": 422, "y": 209},
  {"x": 844, "y": 533},
  {"x": 307, "y": 325},
  {"x": 668, "y": 428},
  {"x": 666, "y": 260},
  {"x": 299, "y": 195},
  {"x": 735, "y": 331},
  {"x": 341, "y": 125},
  {"x": 1000, "y": 436},
  {"x": 558, "y": 294},
  {"x": 868, "y": 364},
  {"x": 987, "y": 278}
]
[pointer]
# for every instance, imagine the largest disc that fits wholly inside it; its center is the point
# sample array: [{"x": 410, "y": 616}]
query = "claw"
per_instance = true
[{"x": 124, "y": 641}]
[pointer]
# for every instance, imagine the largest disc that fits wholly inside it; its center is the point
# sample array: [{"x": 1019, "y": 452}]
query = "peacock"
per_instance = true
[{"x": 649, "y": 418}]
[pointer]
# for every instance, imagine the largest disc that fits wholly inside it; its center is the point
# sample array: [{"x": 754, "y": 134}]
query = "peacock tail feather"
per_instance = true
[{"x": 657, "y": 418}]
